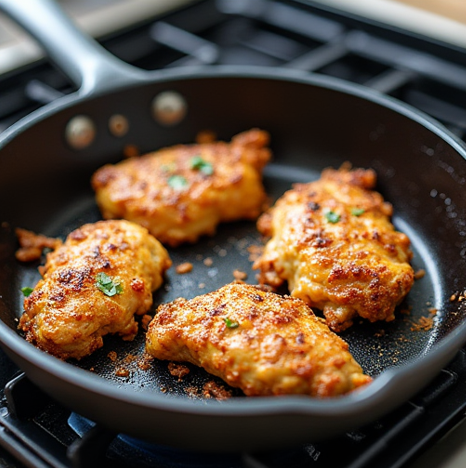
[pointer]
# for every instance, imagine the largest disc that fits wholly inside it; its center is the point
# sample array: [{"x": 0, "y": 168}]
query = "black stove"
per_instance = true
[{"x": 37, "y": 432}]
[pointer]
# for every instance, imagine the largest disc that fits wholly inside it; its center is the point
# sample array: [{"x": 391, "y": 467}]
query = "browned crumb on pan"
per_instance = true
[
  {"x": 192, "y": 392},
  {"x": 255, "y": 252},
  {"x": 206, "y": 136},
  {"x": 145, "y": 320},
  {"x": 419, "y": 274},
  {"x": 131, "y": 151},
  {"x": 32, "y": 245},
  {"x": 212, "y": 389},
  {"x": 122, "y": 372},
  {"x": 178, "y": 370},
  {"x": 240, "y": 275},
  {"x": 112, "y": 355},
  {"x": 208, "y": 262},
  {"x": 425, "y": 323},
  {"x": 129, "y": 358},
  {"x": 380, "y": 333},
  {"x": 183, "y": 268},
  {"x": 458, "y": 296},
  {"x": 145, "y": 362}
]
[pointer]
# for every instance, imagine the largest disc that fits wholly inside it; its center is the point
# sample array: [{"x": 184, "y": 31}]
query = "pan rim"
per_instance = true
[
  {"x": 353, "y": 403},
  {"x": 243, "y": 72},
  {"x": 369, "y": 396}
]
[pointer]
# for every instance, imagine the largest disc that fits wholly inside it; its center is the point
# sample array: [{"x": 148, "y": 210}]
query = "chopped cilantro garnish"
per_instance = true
[
  {"x": 177, "y": 182},
  {"x": 332, "y": 217},
  {"x": 107, "y": 285},
  {"x": 200, "y": 164},
  {"x": 357, "y": 211},
  {"x": 230, "y": 324},
  {"x": 27, "y": 291}
]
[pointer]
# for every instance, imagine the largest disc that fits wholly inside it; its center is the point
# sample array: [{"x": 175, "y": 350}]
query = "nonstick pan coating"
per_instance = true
[{"x": 314, "y": 122}]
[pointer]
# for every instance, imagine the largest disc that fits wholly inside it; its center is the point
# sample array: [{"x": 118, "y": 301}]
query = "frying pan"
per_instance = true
[{"x": 314, "y": 122}]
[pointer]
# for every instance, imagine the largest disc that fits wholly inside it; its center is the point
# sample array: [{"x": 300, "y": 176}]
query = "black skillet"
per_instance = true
[{"x": 314, "y": 122}]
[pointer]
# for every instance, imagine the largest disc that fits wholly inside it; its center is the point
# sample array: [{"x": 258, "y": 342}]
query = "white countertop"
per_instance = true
[
  {"x": 96, "y": 17},
  {"x": 444, "y": 20}
]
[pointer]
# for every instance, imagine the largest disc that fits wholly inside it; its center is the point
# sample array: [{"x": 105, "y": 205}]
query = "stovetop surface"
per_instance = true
[{"x": 305, "y": 35}]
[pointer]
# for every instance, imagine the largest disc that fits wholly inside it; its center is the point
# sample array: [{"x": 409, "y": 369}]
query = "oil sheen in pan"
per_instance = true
[{"x": 376, "y": 346}]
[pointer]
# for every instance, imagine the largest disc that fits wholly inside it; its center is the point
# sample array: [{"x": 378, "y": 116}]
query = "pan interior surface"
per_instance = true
[
  {"x": 216, "y": 260},
  {"x": 312, "y": 127}
]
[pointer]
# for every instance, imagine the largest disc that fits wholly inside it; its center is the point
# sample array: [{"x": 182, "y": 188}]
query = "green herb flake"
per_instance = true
[
  {"x": 332, "y": 217},
  {"x": 109, "y": 286},
  {"x": 230, "y": 324},
  {"x": 199, "y": 164},
  {"x": 178, "y": 182},
  {"x": 357, "y": 211},
  {"x": 27, "y": 291}
]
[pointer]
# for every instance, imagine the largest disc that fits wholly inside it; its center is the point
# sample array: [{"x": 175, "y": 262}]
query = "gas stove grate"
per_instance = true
[
  {"x": 43, "y": 434},
  {"x": 302, "y": 35},
  {"x": 292, "y": 34}
]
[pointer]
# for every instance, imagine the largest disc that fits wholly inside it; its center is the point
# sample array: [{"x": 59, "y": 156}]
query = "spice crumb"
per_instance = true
[
  {"x": 183, "y": 268},
  {"x": 145, "y": 363},
  {"x": 131, "y": 151},
  {"x": 178, "y": 370},
  {"x": 240, "y": 275},
  {"x": 145, "y": 320},
  {"x": 130, "y": 358},
  {"x": 112, "y": 355},
  {"x": 213, "y": 389},
  {"x": 208, "y": 262},
  {"x": 122, "y": 372},
  {"x": 255, "y": 251},
  {"x": 32, "y": 245},
  {"x": 192, "y": 392},
  {"x": 419, "y": 274}
]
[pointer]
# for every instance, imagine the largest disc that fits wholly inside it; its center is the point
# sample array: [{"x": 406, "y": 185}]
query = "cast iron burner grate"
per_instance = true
[
  {"x": 35, "y": 431},
  {"x": 43, "y": 434},
  {"x": 302, "y": 35}
]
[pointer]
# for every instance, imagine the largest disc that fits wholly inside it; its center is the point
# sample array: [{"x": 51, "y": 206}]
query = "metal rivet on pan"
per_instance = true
[
  {"x": 169, "y": 108},
  {"x": 118, "y": 125},
  {"x": 80, "y": 132}
]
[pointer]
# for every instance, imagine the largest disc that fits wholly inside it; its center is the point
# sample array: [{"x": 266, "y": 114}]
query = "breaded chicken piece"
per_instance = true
[
  {"x": 254, "y": 339},
  {"x": 92, "y": 285},
  {"x": 183, "y": 192},
  {"x": 333, "y": 242}
]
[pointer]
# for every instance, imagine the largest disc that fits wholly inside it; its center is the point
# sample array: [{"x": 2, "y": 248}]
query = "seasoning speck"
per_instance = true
[
  {"x": 240, "y": 275},
  {"x": 183, "y": 268},
  {"x": 178, "y": 370},
  {"x": 122, "y": 372}
]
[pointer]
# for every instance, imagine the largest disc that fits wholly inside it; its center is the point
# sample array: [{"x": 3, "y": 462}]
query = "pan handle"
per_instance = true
[{"x": 89, "y": 65}]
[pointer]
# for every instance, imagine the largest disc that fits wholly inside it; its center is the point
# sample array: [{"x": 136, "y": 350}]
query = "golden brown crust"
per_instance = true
[
  {"x": 67, "y": 314},
  {"x": 256, "y": 340},
  {"x": 178, "y": 200},
  {"x": 333, "y": 242}
]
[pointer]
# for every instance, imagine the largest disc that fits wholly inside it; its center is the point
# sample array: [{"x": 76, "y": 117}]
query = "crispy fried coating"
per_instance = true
[
  {"x": 259, "y": 341},
  {"x": 332, "y": 240},
  {"x": 92, "y": 285},
  {"x": 183, "y": 192}
]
